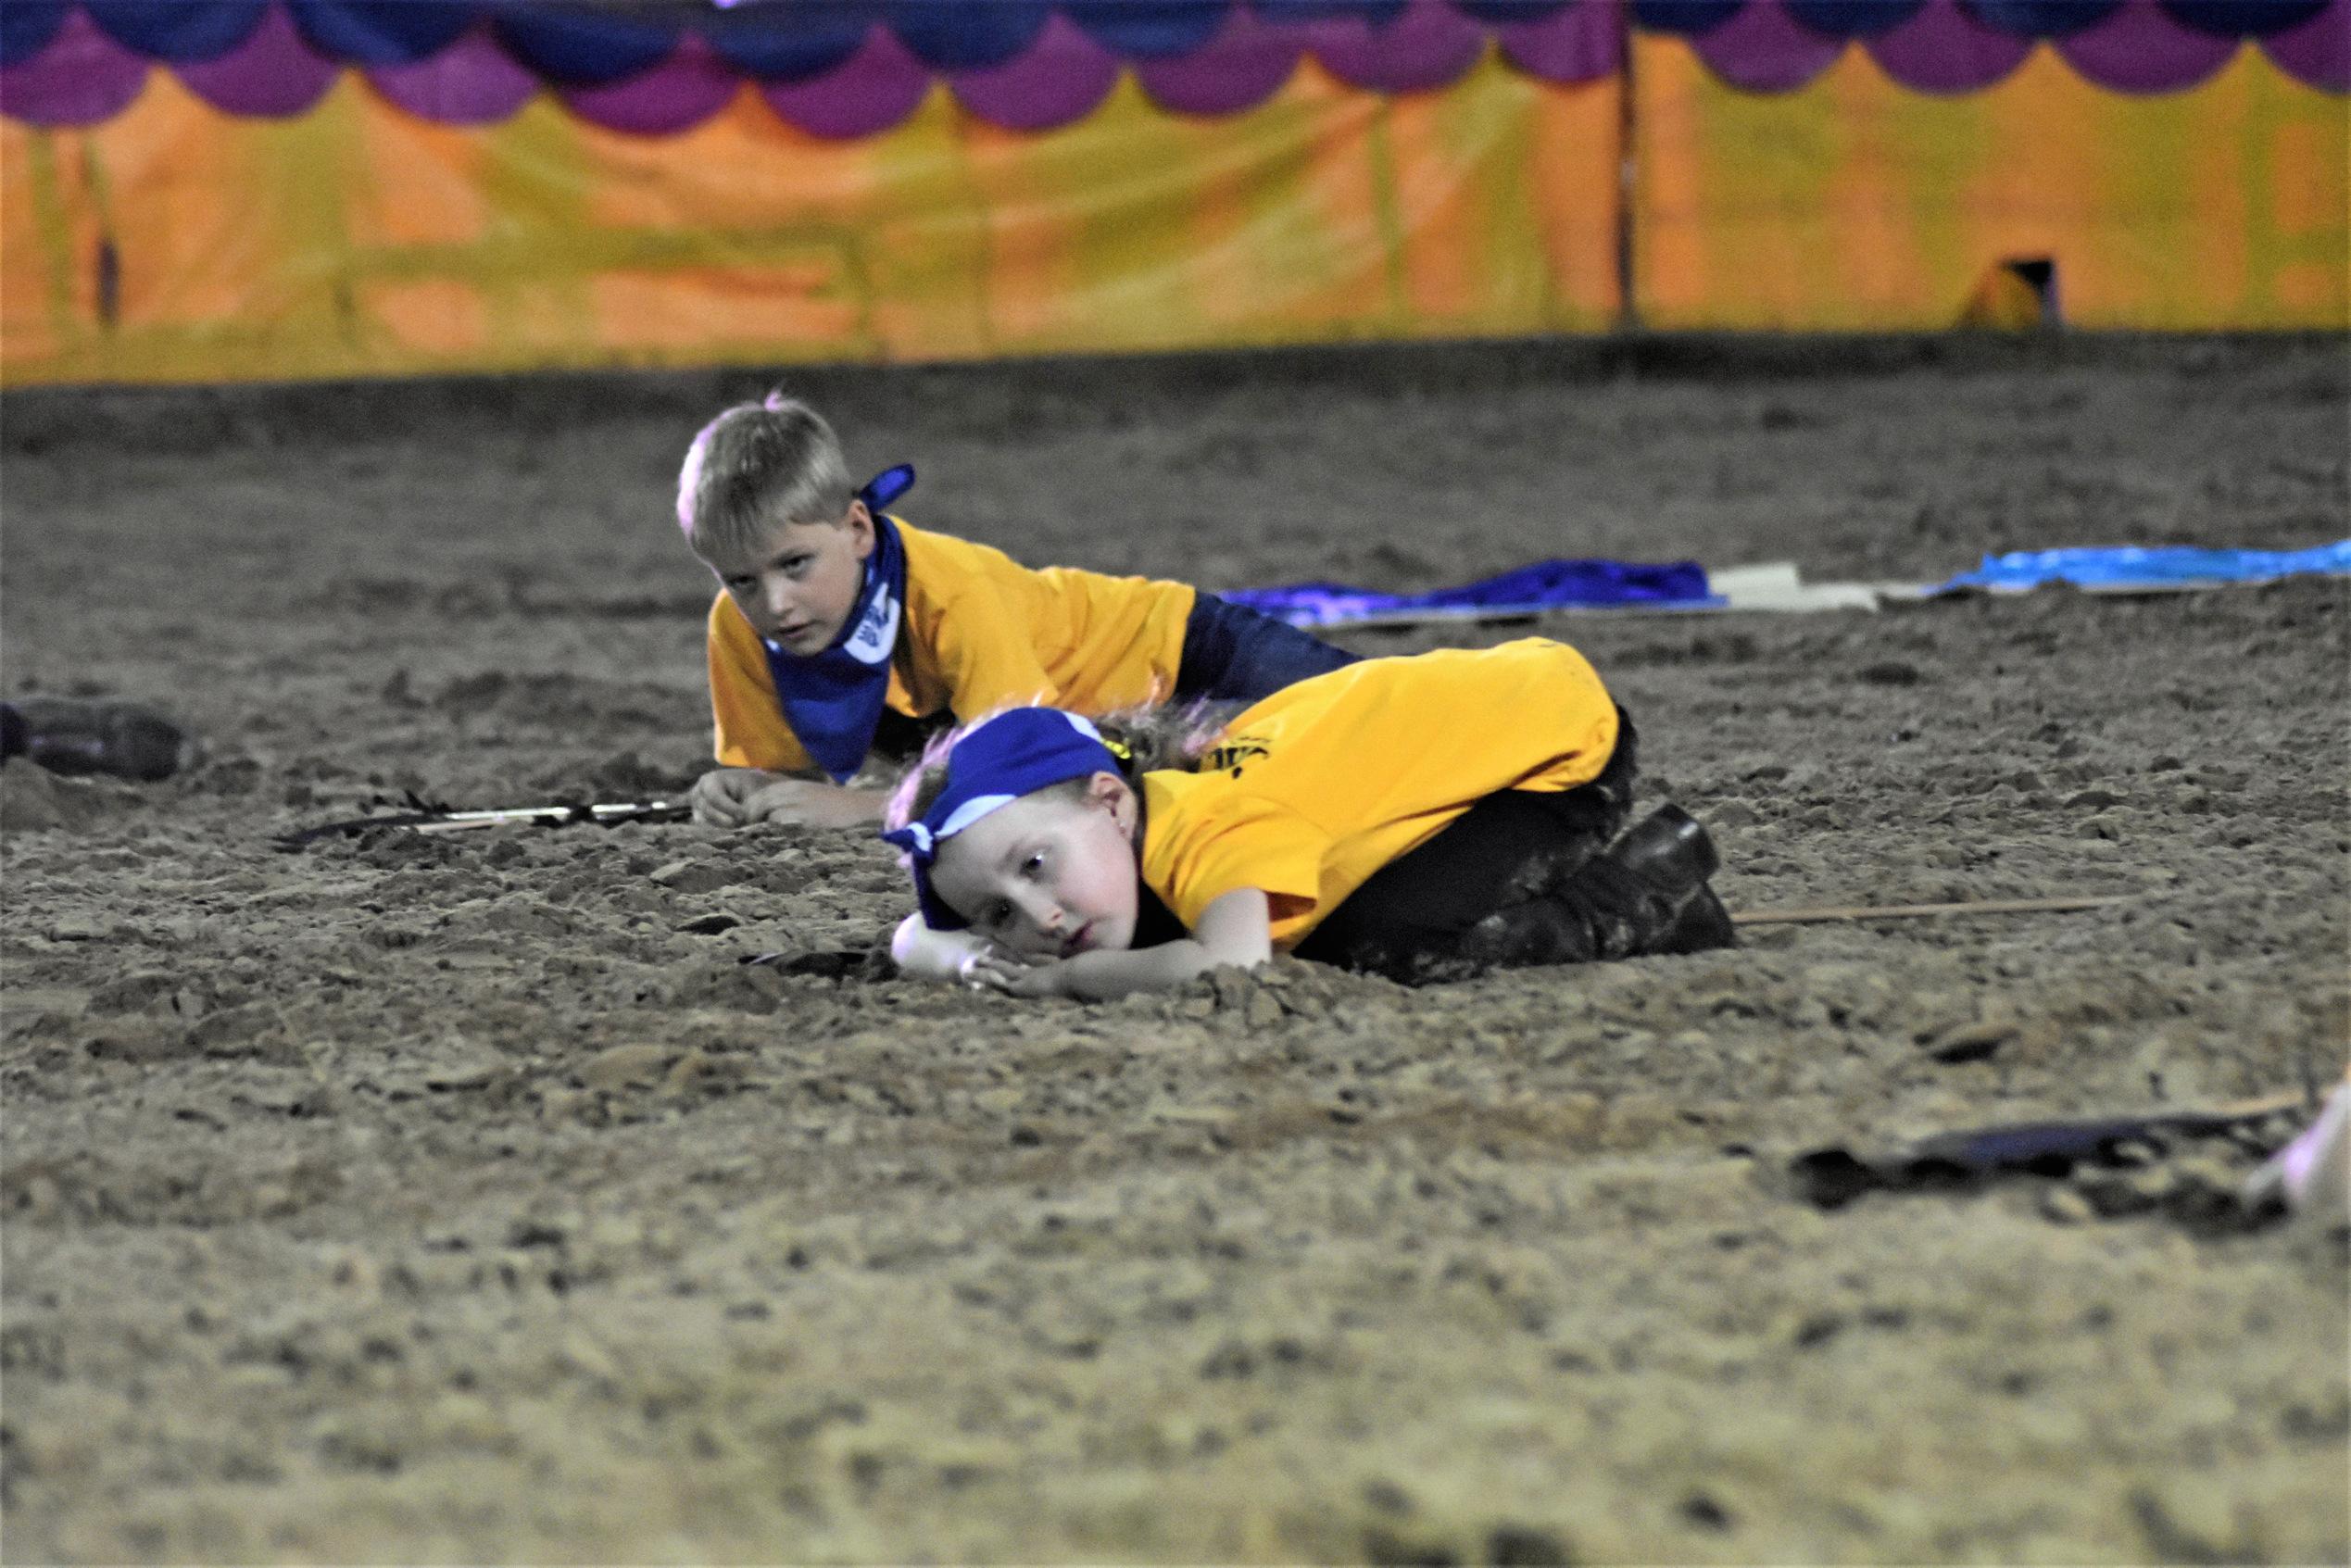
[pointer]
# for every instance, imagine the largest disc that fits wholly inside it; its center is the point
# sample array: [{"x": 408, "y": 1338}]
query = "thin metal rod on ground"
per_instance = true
[{"x": 1925, "y": 912}]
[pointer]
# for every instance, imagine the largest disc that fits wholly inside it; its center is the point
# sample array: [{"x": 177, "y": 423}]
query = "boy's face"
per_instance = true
[
  {"x": 1050, "y": 876},
  {"x": 801, "y": 583}
]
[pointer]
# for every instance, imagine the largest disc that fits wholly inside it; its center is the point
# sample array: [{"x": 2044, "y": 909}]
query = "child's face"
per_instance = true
[
  {"x": 800, "y": 584},
  {"x": 1051, "y": 875}
]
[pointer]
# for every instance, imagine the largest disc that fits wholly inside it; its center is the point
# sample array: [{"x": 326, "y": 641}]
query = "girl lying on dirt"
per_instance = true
[{"x": 1422, "y": 818}]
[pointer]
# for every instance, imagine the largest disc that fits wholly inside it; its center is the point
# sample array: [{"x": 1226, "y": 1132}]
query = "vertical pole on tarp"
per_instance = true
[{"x": 1627, "y": 170}]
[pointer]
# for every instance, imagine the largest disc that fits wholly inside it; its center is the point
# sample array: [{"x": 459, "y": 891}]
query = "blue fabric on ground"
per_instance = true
[
  {"x": 1545, "y": 585},
  {"x": 2163, "y": 566}
]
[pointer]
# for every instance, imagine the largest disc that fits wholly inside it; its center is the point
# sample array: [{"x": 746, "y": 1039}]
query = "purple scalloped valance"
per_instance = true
[{"x": 852, "y": 68}]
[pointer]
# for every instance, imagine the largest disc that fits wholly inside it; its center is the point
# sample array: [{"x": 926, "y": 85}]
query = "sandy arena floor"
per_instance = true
[{"x": 417, "y": 1200}]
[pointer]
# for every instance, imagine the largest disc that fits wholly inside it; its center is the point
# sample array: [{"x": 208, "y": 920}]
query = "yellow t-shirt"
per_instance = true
[
  {"x": 981, "y": 632},
  {"x": 1314, "y": 788}
]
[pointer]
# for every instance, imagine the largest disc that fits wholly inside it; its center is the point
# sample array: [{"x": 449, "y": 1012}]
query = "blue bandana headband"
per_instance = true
[{"x": 1017, "y": 752}]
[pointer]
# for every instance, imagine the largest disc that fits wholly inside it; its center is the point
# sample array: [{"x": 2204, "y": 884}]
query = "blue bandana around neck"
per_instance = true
[
  {"x": 833, "y": 699},
  {"x": 1017, "y": 752}
]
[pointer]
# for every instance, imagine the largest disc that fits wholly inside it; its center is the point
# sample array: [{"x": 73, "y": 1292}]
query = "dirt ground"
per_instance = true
[{"x": 408, "y": 1200}]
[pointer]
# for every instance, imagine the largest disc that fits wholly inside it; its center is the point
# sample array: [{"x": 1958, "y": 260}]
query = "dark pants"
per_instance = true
[
  {"x": 1236, "y": 654},
  {"x": 1517, "y": 879}
]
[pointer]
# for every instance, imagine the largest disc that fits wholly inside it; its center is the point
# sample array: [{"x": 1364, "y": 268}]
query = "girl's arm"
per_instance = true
[
  {"x": 923, "y": 954},
  {"x": 1235, "y": 929}
]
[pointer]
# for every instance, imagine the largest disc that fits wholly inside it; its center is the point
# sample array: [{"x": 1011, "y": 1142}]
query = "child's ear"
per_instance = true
[
  {"x": 859, "y": 523},
  {"x": 1108, "y": 792}
]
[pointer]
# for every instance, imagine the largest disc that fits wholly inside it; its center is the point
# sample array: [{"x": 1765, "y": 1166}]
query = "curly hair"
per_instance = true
[{"x": 1146, "y": 739}]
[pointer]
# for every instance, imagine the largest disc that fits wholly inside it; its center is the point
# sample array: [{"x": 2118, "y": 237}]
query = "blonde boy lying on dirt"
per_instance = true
[
  {"x": 1421, "y": 818},
  {"x": 837, "y": 626}
]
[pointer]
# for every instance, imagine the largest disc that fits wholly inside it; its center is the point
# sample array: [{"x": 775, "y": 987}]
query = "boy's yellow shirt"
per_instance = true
[
  {"x": 981, "y": 632},
  {"x": 1308, "y": 793}
]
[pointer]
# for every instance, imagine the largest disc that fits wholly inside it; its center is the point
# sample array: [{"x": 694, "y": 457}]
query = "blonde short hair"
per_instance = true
[{"x": 756, "y": 467}]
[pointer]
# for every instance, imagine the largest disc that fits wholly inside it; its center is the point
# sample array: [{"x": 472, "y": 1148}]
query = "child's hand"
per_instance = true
[
  {"x": 806, "y": 803},
  {"x": 1050, "y": 978},
  {"x": 734, "y": 797},
  {"x": 1017, "y": 976},
  {"x": 722, "y": 796},
  {"x": 992, "y": 969}
]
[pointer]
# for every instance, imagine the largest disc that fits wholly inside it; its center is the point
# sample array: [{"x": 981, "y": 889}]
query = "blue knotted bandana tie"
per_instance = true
[
  {"x": 833, "y": 699},
  {"x": 1017, "y": 752}
]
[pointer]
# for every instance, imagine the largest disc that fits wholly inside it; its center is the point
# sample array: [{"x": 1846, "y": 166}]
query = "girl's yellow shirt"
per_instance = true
[
  {"x": 981, "y": 632},
  {"x": 1308, "y": 793}
]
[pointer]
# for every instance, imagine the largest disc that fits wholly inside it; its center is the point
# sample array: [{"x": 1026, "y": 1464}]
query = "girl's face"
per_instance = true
[{"x": 1050, "y": 876}]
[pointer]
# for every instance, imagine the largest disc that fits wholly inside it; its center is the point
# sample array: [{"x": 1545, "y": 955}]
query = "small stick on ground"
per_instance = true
[{"x": 1926, "y": 911}]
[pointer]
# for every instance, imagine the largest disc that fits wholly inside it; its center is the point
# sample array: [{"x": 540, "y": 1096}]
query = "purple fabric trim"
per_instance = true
[
  {"x": 84, "y": 75},
  {"x": 874, "y": 88},
  {"x": 471, "y": 82},
  {"x": 1763, "y": 49},
  {"x": 178, "y": 32},
  {"x": 1430, "y": 45},
  {"x": 1147, "y": 29},
  {"x": 1853, "y": 18},
  {"x": 1062, "y": 78},
  {"x": 1577, "y": 42},
  {"x": 2141, "y": 49},
  {"x": 1944, "y": 49},
  {"x": 2317, "y": 54},
  {"x": 272, "y": 75},
  {"x": 81, "y": 78},
  {"x": 682, "y": 91},
  {"x": 1244, "y": 65},
  {"x": 29, "y": 28}
]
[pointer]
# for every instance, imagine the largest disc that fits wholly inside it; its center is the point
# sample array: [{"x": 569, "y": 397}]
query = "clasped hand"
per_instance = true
[
  {"x": 992, "y": 969},
  {"x": 734, "y": 797}
]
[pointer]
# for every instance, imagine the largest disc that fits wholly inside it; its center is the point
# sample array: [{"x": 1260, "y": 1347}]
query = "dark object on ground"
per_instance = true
[
  {"x": 869, "y": 962},
  {"x": 1668, "y": 850},
  {"x": 79, "y": 737},
  {"x": 1834, "y": 1176},
  {"x": 424, "y": 816}
]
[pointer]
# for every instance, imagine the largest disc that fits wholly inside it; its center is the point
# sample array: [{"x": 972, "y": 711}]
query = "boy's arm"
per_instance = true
[
  {"x": 735, "y": 798},
  {"x": 1237, "y": 929}
]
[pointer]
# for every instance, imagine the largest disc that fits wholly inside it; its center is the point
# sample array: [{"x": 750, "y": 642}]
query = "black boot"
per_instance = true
[
  {"x": 1700, "y": 926},
  {"x": 1646, "y": 894},
  {"x": 70, "y": 736},
  {"x": 1601, "y": 910},
  {"x": 1669, "y": 851}
]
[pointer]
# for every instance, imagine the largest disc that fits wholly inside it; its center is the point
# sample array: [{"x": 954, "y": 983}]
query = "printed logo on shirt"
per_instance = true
[
  {"x": 876, "y": 635},
  {"x": 1233, "y": 756}
]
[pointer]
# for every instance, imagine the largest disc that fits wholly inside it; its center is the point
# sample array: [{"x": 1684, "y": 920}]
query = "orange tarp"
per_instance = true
[{"x": 174, "y": 242}]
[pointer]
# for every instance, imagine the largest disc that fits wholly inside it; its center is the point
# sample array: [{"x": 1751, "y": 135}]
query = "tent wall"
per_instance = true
[
  {"x": 1856, "y": 204},
  {"x": 177, "y": 243}
]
